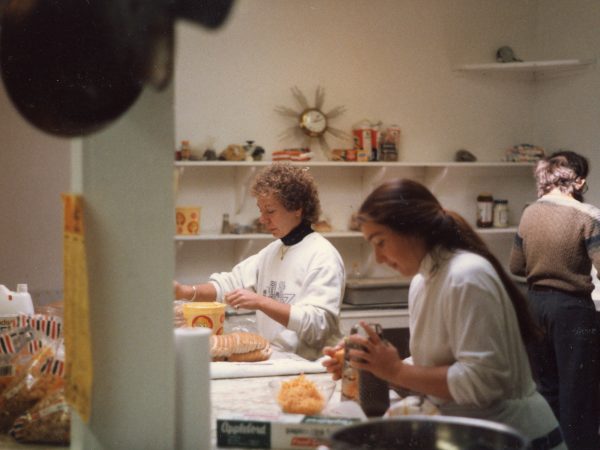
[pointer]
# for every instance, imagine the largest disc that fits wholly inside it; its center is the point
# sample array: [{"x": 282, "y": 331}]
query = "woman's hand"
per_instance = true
[
  {"x": 243, "y": 298},
  {"x": 335, "y": 363},
  {"x": 179, "y": 291},
  {"x": 379, "y": 357}
]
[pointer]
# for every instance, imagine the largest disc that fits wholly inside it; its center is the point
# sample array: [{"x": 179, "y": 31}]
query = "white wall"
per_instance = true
[
  {"x": 384, "y": 60},
  {"x": 387, "y": 60},
  {"x": 34, "y": 171},
  {"x": 567, "y": 112}
]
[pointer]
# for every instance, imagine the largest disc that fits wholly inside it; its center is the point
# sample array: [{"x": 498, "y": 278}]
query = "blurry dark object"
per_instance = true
[
  {"x": 506, "y": 54},
  {"x": 70, "y": 67},
  {"x": 257, "y": 153},
  {"x": 209, "y": 155},
  {"x": 425, "y": 433},
  {"x": 463, "y": 155}
]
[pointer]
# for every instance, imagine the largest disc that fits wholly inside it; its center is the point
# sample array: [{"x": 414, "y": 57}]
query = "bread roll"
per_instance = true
[{"x": 257, "y": 355}]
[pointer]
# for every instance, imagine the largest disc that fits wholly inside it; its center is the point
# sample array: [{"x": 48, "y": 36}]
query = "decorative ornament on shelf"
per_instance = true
[{"x": 311, "y": 121}]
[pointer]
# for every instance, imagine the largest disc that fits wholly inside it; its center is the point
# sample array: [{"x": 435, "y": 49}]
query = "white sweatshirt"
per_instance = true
[
  {"x": 461, "y": 316},
  {"x": 309, "y": 276}
]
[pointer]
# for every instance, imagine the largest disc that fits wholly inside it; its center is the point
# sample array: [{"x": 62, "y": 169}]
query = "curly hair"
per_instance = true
[
  {"x": 293, "y": 186},
  {"x": 563, "y": 170}
]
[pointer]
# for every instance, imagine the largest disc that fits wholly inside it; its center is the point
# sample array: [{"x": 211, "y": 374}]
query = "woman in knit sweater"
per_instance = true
[{"x": 557, "y": 243}]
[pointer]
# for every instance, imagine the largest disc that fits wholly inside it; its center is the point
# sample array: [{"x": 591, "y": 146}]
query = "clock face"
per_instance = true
[{"x": 313, "y": 122}]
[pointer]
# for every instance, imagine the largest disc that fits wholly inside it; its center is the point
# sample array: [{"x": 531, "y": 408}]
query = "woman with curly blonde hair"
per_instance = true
[{"x": 295, "y": 284}]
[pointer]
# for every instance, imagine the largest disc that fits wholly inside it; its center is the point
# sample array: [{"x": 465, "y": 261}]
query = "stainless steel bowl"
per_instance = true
[{"x": 428, "y": 433}]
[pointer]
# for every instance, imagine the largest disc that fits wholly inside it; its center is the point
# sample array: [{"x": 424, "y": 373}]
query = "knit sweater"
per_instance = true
[{"x": 557, "y": 242}]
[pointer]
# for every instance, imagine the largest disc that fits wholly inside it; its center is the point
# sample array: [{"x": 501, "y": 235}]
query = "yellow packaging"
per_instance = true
[
  {"x": 187, "y": 219},
  {"x": 205, "y": 314}
]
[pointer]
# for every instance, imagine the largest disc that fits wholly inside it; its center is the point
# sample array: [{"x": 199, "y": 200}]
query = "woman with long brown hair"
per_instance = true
[{"x": 468, "y": 321}]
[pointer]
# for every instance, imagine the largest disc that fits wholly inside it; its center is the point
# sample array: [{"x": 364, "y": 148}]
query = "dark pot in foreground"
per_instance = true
[{"x": 428, "y": 433}]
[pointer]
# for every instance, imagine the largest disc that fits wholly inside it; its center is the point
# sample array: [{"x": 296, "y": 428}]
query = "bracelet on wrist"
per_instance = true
[{"x": 195, "y": 292}]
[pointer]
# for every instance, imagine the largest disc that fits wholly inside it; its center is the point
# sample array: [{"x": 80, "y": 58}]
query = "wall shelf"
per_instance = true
[
  {"x": 391, "y": 164},
  {"x": 220, "y": 187},
  {"x": 530, "y": 67}
]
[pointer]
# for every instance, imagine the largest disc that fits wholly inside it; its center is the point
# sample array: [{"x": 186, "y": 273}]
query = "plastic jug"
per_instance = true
[{"x": 15, "y": 302}]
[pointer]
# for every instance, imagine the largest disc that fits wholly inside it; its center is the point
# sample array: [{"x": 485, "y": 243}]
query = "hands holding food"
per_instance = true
[
  {"x": 335, "y": 363},
  {"x": 374, "y": 354},
  {"x": 245, "y": 299}
]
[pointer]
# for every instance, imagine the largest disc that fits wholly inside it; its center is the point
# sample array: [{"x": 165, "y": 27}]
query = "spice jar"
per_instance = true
[
  {"x": 186, "y": 150},
  {"x": 225, "y": 225},
  {"x": 485, "y": 210},
  {"x": 501, "y": 213}
]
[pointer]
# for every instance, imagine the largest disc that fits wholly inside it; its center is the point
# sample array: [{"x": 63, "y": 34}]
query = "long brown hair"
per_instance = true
[{"x": 410, "y": 209}]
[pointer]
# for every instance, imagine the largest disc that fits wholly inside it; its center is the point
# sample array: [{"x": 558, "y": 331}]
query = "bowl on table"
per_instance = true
[
  {"x": 427, "y": 433},
  {"x": 302, "y": 394}
]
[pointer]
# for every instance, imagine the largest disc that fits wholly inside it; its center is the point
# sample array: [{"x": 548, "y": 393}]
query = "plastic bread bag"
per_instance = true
[
  {"x": 178, "y": 318},
  {"x": 14, "y": 354},
  {"x": 412, "y": 405},
  {"x": 21, "y": 337},
  {"x": 240, "y": 321},
  {"x": 47, "y": 422},
  {"x": 43, "y": 375}
]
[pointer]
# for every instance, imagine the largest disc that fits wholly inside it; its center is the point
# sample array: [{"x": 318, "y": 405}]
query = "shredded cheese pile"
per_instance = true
[{"x": 300, "y": 396}]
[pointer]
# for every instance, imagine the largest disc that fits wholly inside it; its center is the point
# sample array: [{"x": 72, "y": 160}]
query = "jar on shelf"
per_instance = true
[
  {"x": 225, "y": 224},
  {"x": 485, "y": 210},
  {"x": 186, "y": 150},
  {"x": 500, "y": 213}
]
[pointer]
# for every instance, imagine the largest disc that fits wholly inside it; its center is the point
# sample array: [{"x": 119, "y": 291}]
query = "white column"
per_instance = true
[{"x": 126, "y": 177}]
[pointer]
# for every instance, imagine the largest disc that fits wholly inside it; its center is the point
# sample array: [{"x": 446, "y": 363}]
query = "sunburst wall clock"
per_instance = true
[{"x": 312, "y": 123}]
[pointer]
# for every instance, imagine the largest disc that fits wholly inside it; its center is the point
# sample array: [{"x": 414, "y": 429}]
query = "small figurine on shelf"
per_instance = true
[
  {"x": 233, "y": 152},
  {"x": 254, "y": 151},
  {"x": 463, "y": 155},
  {"x": 209, "y": 155},
  {"x": 257, "y": 153}
]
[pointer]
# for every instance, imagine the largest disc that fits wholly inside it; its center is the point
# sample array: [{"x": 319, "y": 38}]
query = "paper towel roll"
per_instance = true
[{"x": 192, "y": 389}]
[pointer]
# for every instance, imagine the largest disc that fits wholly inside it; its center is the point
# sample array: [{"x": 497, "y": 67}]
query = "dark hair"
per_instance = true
[
  {"x": 410, "y": 209},
  {"x": 294, "y": 186},
  {"x": 564, "y": 170}
]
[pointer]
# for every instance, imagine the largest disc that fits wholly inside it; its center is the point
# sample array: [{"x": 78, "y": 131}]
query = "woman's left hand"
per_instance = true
[
  {"x": 243, "y": 298},
  {"x": 379, "y": 357}
]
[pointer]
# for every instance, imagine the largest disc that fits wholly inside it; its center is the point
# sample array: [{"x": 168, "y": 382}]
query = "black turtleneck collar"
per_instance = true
[{"x": 297, "y": 234}]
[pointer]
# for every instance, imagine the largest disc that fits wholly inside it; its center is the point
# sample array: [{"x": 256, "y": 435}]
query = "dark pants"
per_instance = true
[{"x": 566, "y": 364}]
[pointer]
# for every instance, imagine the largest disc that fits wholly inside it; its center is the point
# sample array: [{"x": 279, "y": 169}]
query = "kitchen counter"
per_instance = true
[
  {"x": 229, "y": 395},
  {"x": 248, "y": 395}
]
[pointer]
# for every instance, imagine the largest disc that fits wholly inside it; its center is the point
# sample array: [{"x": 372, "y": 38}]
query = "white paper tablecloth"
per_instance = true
[{"x": 278, "y": 364}]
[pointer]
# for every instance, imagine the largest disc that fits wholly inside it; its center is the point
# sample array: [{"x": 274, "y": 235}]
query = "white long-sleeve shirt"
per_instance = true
[
  {"x": 309, "y": 276},
  {"x": 460, "y": 315}
]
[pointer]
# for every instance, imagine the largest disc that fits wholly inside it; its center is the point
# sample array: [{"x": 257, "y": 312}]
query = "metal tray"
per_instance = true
[{"x": 376, "y": 291}]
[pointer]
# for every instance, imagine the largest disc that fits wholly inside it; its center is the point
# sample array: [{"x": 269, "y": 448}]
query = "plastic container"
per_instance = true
[
  {"x": 187, "y": 220},
  {"x": 18, "y": 302},
  {"x": 205, "y": 314},
  {"x": 500, "y": 213}
]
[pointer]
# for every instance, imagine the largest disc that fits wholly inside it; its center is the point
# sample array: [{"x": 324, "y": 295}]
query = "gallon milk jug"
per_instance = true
[{"x": 18, "y": 302}]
